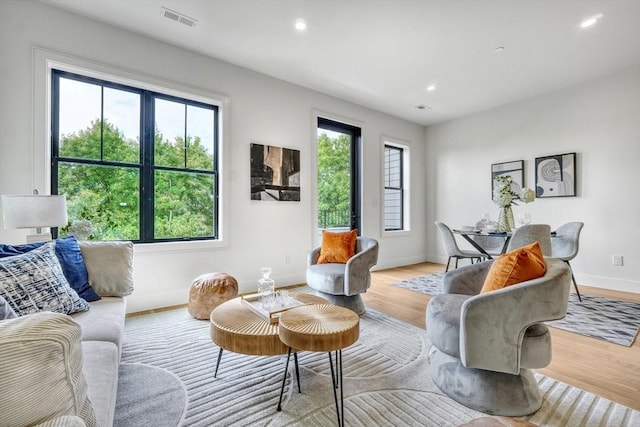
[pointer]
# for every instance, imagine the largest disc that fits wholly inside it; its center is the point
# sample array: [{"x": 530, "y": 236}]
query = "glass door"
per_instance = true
[{"x": 338, "y": 176}]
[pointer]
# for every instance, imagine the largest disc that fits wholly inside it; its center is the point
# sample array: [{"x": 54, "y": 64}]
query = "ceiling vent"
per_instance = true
[
  {"x": 178, "y": 17},
  {"x": 423, "y": 107}
]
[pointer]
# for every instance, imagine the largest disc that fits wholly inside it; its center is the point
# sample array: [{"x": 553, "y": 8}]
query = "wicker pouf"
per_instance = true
[{"x": 209, "y": 291}]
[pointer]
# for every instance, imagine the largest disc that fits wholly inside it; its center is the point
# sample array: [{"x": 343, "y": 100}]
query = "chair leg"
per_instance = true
[
  {"x": 448, "y": 262},
  {"x": 457, "y": 262},
  {"x": 575, "y": 284}
]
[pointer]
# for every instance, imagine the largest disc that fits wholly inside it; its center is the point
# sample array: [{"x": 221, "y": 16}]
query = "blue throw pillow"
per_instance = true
[{"x": 70, "y": 257}]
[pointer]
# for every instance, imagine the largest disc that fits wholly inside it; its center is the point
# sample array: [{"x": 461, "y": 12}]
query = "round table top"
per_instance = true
[
  {"x": 234, "y": 327},
  {"x": 319, "y": 327}
]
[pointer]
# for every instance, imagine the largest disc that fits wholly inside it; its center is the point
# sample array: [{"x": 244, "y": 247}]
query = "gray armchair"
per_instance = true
[
  {"x": 485, "y": 345},
  {"x": 342, "y": 284}
]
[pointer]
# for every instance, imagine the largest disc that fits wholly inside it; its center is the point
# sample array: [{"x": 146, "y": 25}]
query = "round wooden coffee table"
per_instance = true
[
  {"x": 320, "y": 327},
  {"x": 236, "y": 328}
]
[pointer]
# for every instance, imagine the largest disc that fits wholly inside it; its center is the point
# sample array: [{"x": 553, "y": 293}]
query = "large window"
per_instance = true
[
  {"x": 394, "y": 188},
  {"x": 134, "y": 164}
]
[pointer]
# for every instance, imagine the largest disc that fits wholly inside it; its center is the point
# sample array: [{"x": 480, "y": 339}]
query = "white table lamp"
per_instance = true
[{"x": 34, "y": 211}]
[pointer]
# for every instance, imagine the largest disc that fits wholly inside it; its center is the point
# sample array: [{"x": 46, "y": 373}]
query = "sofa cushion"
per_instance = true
[
  {"x": 104, "y": 322},
  {"x": 34, "y": 282},
  {"x": 110, "y": 267},
  {"x": 519, "y": 265},
  {"x": 337, "y": 247},
  {"x": 70, "y": 257},
  {"x": 6, "y": 312},
  {"x": 41, "y": 370},
  {"x": 101, "y": 361}
]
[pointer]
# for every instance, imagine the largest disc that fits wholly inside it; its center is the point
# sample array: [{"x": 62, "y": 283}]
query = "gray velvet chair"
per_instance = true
[
  {"x": 565, "y": 245},
  {"x": 527, "y": 234},
  {"x": 342, "y": 284},
  {"x": 451, "y": 246},
  {"x": 485, "y": 345}
]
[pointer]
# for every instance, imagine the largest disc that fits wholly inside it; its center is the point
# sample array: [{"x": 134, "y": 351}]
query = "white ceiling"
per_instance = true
[{"x": 384, "y": 53}]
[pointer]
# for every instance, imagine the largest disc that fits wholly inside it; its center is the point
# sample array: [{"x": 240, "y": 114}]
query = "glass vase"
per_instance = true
[{"x": 505, "y": 219}]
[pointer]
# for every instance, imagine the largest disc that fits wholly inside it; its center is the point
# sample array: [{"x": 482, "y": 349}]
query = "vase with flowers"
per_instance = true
[{"x": 505, "y": 194}]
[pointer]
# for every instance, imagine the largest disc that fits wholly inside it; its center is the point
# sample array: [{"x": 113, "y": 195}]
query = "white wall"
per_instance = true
[
  {"x": 262, "y": 109},
  {"x": 600, "y": 121}
]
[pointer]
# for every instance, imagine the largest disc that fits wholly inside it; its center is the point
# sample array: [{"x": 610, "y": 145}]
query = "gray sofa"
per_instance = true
[{"x": 64, "y": 369}]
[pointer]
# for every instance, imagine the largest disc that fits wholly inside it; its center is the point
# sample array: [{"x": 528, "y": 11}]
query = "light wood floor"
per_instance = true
[{"x": 608, "y": 370}]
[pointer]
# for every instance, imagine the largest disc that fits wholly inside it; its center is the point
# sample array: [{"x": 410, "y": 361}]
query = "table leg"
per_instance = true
[
  {"x": 505, "y": 245},
  {"x": 341, "y": 388},
  {"x": 284, "y": 379},
  {"x": 476, "y": 245},
  {"x": 218, "y": 362},
  {"x": 295, "y": 357},
  {"x": 334, "y": 384}
]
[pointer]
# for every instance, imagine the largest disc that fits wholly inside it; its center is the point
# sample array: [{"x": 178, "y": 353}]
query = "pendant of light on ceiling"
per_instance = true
[
  {"x": 591, "y": 21},
  {"x": 300, "y": 24}
]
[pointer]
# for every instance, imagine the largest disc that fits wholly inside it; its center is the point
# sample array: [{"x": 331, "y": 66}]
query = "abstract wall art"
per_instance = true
[
  {"x": 275, "y": 173},
  {"x": 556, "y": 175}
]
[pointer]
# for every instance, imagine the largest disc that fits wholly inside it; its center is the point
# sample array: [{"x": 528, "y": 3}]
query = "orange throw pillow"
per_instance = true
[
  {"x": 337, "y": 247},
  {"x": 520, "y": 265}
]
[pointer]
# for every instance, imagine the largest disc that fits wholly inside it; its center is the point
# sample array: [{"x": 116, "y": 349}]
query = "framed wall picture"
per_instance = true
[
  {"x": 556, "y": 175},
  {"x": 515, "y": 169},
  {"x": 275, "y": 173}
]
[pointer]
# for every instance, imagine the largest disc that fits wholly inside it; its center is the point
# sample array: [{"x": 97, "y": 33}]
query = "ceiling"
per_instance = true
[{"x": 383, "y": 54}]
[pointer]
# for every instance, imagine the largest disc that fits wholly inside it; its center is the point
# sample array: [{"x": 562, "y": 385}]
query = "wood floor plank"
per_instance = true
[{"x": 606, "y": 369}]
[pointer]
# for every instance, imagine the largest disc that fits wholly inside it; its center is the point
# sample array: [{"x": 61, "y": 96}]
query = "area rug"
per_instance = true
[
  {"x": 386, "y": 382},
  {"x": 146, "y": 392},
  {"x": 607, "y": 319}
]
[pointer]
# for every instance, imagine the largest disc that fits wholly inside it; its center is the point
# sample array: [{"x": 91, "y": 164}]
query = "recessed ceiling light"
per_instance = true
[
  {"x": 300, "y": 24},
  {"x": 499, "y": 49},
  {"x": 431, "y": 88},
  {"x": 590, "y": 21}
]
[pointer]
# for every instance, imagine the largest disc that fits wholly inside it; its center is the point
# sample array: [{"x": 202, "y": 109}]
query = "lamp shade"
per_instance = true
[{"x": 34, "y": 211}]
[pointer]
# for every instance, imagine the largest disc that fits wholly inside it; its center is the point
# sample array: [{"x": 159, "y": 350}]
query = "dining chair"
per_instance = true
[
  {"x": 451, "y": 246},
  {"x": 564, "y": 246},
  {"x": 530, "y": 233}
]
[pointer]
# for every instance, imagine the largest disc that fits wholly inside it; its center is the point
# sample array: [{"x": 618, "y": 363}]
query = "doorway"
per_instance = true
[{"x": 338, "y": 147}]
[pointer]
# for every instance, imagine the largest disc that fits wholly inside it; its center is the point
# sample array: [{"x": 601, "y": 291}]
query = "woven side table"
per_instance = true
[{"x": 320, "y": 327}]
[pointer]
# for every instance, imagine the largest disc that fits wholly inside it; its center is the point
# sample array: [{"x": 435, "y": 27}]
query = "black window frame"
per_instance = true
[
  {"x": 146, "y": 164},
  {"x": 400, "y": 188}
]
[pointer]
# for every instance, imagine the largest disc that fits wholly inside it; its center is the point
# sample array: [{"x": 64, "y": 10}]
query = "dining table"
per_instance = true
[{"x": 469, "y": 234}]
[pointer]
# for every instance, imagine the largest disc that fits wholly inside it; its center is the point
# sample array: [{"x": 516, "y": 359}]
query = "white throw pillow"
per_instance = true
[
  {"x": 110, "y": 267},
  {"x": 41, "y": 371},
  {"x": 34, "y": 281}
]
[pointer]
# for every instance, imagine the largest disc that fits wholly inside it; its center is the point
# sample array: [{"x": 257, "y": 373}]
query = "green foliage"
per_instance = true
[
  {"x": 334, "y": 180},
  {"x": 109, "y": 196}
]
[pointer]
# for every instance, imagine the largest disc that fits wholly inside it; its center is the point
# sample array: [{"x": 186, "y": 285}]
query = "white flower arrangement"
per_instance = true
[
  {"x": 505, "y": 192},
  {"x": 81, "y": 228}
]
